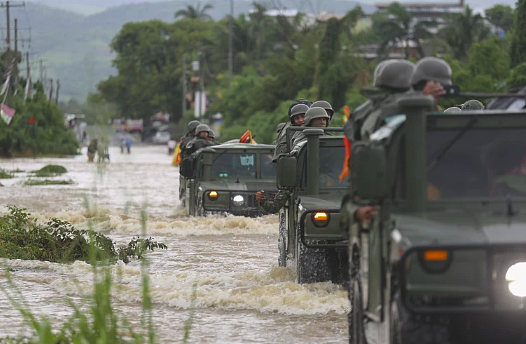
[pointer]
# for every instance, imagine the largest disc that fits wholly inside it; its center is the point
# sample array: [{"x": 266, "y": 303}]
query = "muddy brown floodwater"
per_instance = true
[{"x": 242, "y": 296}]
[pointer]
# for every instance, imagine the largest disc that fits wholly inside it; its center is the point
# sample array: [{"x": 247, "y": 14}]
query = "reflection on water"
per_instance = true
[{"x": 242, "y": 296}]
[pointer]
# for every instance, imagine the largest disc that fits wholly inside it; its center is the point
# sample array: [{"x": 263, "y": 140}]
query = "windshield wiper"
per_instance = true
[{"x": 452, "y": 143}]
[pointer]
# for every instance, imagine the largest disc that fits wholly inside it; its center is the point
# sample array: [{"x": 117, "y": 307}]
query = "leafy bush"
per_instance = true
[
  {"x": 58, "y": 241},
  {"x": 6, "y": 174},
  {"x": 36, "y": 182},
  {"x": 50, "y": 170}
]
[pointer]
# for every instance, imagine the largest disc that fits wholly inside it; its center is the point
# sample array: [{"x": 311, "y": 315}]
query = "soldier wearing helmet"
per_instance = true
[
  {"x": 473, "y": 105},
  {"x": 391, "y": 83},
  {"x": 316, "y": 117},
  {"x": 199, "y": 141},
  {"x": 324, "y": 105},
  {"x": 297, "y": 111},
  {"x": 212, "y": 136},
  {"x": 189, "y": 136},
  {"x": 430, "y": 74}
]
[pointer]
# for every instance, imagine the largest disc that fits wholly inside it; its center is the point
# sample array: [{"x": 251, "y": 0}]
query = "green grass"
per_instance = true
[
  {"x": 6, "y": 174},
  {"x": 50, "y": 171},
  {"x": 101, "y": 323},
  {"x": 33, "y": 182}
]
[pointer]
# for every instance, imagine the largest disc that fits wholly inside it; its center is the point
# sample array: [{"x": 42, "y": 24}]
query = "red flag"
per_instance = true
[
  {"x": 32, "y": 120},
  {"x": 347, "y": 160}
]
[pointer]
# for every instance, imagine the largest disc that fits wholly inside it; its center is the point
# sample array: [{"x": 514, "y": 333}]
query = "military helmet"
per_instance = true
[
  {"x": 378, "y": 71},
  {"x": 473, "y": 105},
  {"x": 396, "y": 74},
  {"x": 432, "y": 69},
  {"x": 280, "y": 126},
  {"x": 299, "y": 101},
  {"x": 211, "y": 134},
  {"x": 193, "y": 125},
  {"x": 324, "y": 105},
  {"x": 200, "y": 128},
  {"x": 315, "y": 112},
  {"x": 452, "y": 109}
]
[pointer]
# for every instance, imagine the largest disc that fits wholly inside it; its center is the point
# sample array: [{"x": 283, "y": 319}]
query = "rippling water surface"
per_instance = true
[{"x": 241, "y": 294}]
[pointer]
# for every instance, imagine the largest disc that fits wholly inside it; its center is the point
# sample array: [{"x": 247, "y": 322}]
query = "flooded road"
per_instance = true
[{"x": 241, "y": 294}]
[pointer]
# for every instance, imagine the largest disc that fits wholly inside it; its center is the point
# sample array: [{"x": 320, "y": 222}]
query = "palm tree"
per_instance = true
[
  {"x": 195, "y": 12},
  {"x": 397, "y": 25},
  {"x": 462, "y": 30}
]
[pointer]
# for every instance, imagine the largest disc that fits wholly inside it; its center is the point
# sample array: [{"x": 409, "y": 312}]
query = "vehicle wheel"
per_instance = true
[
  {"x": 312, "y": 264},
  {"x": 355, "y": 316},
  {"x": 282, "y": 241},
  {"x": 199, "y": 208}
]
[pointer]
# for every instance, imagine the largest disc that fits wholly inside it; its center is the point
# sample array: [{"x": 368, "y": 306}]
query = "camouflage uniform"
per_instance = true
[
  {"x": 197, "y": 142},
  {"x": 185, "y": 140},
  {"x": 281, "y": 140},
  {"x": 274, "y": 204}
]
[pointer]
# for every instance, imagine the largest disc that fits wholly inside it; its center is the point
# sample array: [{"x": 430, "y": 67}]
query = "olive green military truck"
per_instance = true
[
  {"x": 444, "y": 261},
  {"x": 226, "y": 177},
  {"x": 310, "y": 238}
]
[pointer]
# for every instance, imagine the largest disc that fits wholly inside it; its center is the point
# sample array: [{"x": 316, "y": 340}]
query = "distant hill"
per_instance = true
[{"x": 76, "y": 46}]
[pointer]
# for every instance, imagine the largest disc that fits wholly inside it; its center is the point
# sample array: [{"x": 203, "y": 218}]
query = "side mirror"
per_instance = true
[
  {"x": 286, "y": 173},
  {"x": 369, "y": 171}
]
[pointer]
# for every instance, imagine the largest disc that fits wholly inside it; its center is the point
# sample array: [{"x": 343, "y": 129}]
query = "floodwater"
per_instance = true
[{"x": 241, "y": 295}]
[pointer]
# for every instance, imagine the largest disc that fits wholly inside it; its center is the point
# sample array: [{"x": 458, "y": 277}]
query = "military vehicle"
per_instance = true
[
  {"x": 444, "y": 260},
  {"x": 226, "y": 177},
  {"x": 310, "y": 239}
]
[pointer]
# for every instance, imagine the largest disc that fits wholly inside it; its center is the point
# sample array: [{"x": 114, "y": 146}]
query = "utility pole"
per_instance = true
[
  {"x": 230, "y": 44},
  {"x": 51, "y": 89},
  {"x": 201, "y": 81},
  {"x": 15, "y": 65},
  {"x": 42, "y": 72},
  {"x": 56, "y": 93},
  {"x": 8, "y": 56},
  {"x": 184, "y": 86}
]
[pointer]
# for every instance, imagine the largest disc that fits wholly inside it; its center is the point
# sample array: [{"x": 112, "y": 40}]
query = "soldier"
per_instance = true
[
  {"x": 430, "y": 74},
  {"x": 212, "y": 136},
  {"x": 315, "y": 117},
  {"x": 297, "y": 119},
  {"x": 188, "y": 137},
  {"x": 473, "y": 105},
  {"x": 392, "y": 82},
  {"x": 199, "y": 141},
  {"x": 324, "y": 105}
]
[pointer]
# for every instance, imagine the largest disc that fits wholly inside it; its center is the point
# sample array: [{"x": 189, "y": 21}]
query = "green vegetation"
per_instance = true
[
  {"x": 47, "y": 136},
  {"x": 34, "y": 182},
  {"x": 21, "y": 237},
  {"x": 101, "y": 322},
  {"x": 50, "y": 171},
  {"x": 278, "y": 59},
  {"x": 6, "y": 174}
]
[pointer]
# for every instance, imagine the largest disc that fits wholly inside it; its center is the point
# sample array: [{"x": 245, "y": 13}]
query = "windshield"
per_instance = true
[
  {"x": 481, "y": 163},
  {"x": 233, "y": 164},
  {"x": 331, "y": 163},
  {"x": 268, "y": 168}
]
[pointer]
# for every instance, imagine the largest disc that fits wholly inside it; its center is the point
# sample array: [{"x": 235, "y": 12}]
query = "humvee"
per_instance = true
[
  {"x": 444, "y": 261},
  {"x": 310, "y": 238},
  {"x": 226, "y": 177}
]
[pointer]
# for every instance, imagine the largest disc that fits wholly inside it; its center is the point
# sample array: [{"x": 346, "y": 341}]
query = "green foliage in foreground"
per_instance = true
[
  {"x": 58, "y": 241},
  {"x": 50, "y": 170},
  {"x": 6, "y": 174},
  {"x": 37, "y": 182}
]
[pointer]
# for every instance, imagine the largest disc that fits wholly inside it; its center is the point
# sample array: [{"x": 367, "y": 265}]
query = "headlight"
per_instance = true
[
  {"x": 212, "y": 195},
  {"x": 516, "y": 277},
  {"x": 238, "y": 200},
  {"x": 320, "y": 219}
]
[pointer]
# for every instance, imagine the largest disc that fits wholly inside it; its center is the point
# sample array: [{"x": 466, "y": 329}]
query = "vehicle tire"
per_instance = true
[
  {"x": 282, "y": 240},
  {"x": 200, "y": 211},
  {"x": 355, "y": 316},
  {"x": 312, "y": 264}
]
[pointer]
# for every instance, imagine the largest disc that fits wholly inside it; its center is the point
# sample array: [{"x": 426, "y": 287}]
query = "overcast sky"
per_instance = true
[{"x": 479, "y": 5}]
